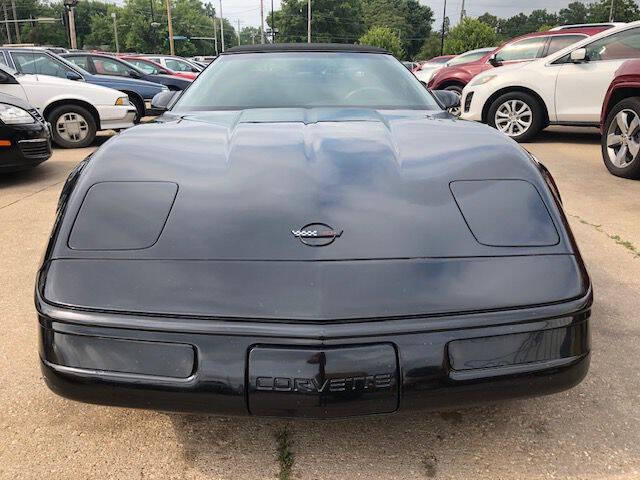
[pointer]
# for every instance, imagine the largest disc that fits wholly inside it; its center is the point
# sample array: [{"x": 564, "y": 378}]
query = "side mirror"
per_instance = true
[
  {"x": 447, "y": 98},
  {"x": 134, "y": 74},
  {"x": 494, "y": 60},
  {"x": 71, "y": 75},
  {"x": 579, "y": 55},
  {"x": 161, "y": 100}
]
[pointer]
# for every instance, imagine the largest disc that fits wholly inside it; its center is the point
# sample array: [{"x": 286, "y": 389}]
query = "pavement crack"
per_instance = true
[
  {"x": 285, "y": 455},
  {"x": 616, "y": 238},
  {"x": 30, "y": 195}
]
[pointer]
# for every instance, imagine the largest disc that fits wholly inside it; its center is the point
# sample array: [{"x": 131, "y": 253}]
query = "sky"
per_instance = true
[{"x": 248, "y": 11}]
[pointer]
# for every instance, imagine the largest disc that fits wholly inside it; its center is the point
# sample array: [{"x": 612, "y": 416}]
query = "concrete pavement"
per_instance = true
[{"x": 589, "y": 432}]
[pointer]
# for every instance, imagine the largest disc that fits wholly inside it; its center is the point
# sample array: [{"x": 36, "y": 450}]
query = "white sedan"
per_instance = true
[
  {"x": 566, "y": 88},
  {"x": 76, "y": 110}
]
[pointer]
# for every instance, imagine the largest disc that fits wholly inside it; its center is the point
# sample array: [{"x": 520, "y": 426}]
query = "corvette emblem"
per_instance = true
[{"x": 317, "y": 234}]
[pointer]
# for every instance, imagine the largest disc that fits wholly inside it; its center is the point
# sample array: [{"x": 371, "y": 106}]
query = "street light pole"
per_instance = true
[
  {"x": 221, "y": 26},
  {"x": 171, "y": 46},
  {"x": 72, "y": 29},
  {"x": 115, "y": 31},
  {"x": 273, "y": 25},
  {"x": 215, "y": 35},
  {"x": 611, "y": 11},
  {"x": 308, "y": 21},
  {"x": 238, "y": 31},
  {"x": 444, "y": 16},
  {"x": 262, "y": 21},
  {"x": 6, "y": 24},
  {"x": 15, "y": 23}
]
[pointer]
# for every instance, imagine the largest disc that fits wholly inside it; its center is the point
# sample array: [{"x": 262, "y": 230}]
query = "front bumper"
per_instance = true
[
  {"x": 30, "y": 146},
  {"x": 116, "y": 117},
  {"x": 309, "y": 369}
]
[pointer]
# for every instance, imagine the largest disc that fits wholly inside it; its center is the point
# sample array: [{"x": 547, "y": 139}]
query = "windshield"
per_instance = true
[{"x": 304, "y": 80}]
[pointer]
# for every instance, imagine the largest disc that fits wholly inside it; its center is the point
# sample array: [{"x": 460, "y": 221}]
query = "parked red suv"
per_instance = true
[
  {"x": 520, "y": 49},
  {"x": 620, "y": 122}
]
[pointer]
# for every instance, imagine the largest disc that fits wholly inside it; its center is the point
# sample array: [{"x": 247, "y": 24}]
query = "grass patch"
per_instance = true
[
  {"x": 616, "y": 238},
  {"x": 285, "y": 455}
]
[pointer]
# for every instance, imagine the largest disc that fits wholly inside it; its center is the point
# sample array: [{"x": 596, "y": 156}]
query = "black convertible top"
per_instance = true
[{"x": 304, "y": 47}]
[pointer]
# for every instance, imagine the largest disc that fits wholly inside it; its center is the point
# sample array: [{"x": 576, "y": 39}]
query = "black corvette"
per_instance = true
[
  {"x": 325, "y": 242},
  {"x": 25, "y": 137}
]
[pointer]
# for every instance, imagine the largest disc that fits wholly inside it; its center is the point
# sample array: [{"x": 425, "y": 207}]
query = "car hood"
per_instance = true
[
  {"x": 195, "y": 215},
  {"x": 18, "y": 102},
  {"x": 247, "y": 179}
]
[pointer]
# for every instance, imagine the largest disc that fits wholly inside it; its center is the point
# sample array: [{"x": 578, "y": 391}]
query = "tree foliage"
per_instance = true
[
  {"x": 430, "y": 48},
  {"x": 331, "y": 21},
  {"x": 408, "y": 18},
  {"x": 468, "y": 35},
  {"x": 135, "y": 21},
  {"x": 383, "y": 37}
]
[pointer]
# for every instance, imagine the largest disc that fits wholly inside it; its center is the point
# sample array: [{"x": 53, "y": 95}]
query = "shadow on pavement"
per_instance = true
[{"x": 574, "y": 135}]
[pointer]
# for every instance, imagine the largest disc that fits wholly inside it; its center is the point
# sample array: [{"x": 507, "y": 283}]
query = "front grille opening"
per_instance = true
[{"x": 35, "y": 149}]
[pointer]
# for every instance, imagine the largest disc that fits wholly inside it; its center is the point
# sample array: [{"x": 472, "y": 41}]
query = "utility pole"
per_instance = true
[
  {"x": 115, "y": 31},
  {"x": 308, "y": 21},
  {"x": 6, "y": 23},
  {"x": 273, "y": 25},
  {"x": 462, "y": 12},
  {"x": 262, "y": 21},
  {"x": 72, "y": 29},
  {"x": 444, "y": 17},
  {"x": 215, "y": 35},
  {"x": 238, "y": 31},
  {"x": 221, "y": 26},
  {"x": 171, "y": 46},
  {"x": 611, "y": 11},
  {"x": 15, "y": 20}
]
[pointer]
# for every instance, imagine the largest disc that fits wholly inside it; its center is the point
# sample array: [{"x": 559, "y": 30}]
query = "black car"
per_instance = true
[
  {"x": 101, "y": 64},
  {"x": 325, "y": 242},
  {"x": 25, "y": 138}
]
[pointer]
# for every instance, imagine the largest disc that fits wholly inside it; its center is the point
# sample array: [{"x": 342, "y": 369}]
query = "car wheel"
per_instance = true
[
  {"x": 72, "y": 126},
  {"x": 458, "y": 91},
  {"x": 621, "y": 140},
  {"x": 516, "y": 114},
  {"x": 139, "y": 104}
]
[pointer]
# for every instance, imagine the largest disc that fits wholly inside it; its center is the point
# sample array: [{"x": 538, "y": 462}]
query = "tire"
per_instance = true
[
  {"x": 527, "y": 119},
  {"x": 78, "y": 130},
  {"x": 457, "y": 89},
  {"x": 620, "y": 149},
  {"x": 137, "y": 102}
]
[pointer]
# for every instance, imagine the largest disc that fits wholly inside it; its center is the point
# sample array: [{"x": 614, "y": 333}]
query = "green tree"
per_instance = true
[
  {"x": 540, "y": 18},
  {"x": 515, "y": 26},
  {"x": 490, "y": 20},
  {"x": 575, "y": 13},
  {"x": 430, "y": 48},
  {"x": 409, "y": 18},
  {"x": 623, "y": 11},
  {"x": 331, "y": 21},
  {"x": 468, "y": 35},
  {"x": 249, "y": 35},
  {"x": 383, "y": 37}
]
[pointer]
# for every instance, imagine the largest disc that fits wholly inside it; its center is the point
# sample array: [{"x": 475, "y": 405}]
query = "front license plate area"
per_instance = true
[{"x": 323, "y": 382}]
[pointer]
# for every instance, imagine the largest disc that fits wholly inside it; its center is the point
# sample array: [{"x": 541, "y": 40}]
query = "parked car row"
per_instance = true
[
  {"x": 576, "y": 85},
  {"x": 79, "y": 93}
]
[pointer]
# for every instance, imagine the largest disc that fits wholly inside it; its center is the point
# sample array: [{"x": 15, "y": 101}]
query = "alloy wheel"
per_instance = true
[
  {"x": 72, "y": 127},
  {"x": 623, "y": 138},
  {"x": 513, "y": 117}
]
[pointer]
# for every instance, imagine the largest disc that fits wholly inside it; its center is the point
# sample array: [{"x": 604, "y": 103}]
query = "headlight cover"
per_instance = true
[
  {"x": 122, "y": 101},
  {"x": 482, "y": 80},
  {"x": 12, "y": 115}
]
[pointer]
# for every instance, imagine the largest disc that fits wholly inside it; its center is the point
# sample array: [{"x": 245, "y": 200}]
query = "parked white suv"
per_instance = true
[
  {"x": 566, "y": 88},
  {"x": 75, "y": 110}
]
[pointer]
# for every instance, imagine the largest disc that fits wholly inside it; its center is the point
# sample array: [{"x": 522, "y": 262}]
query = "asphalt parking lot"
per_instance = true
[{"x": 589, "y": 432}]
